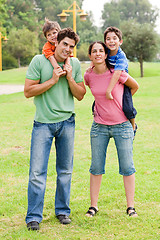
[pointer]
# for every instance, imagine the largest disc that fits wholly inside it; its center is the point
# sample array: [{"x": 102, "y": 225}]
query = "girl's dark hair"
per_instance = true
[{"x": 106, "y": 52}]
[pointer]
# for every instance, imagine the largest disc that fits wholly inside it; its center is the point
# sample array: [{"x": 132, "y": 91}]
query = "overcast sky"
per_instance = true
[{"x": 97, "y": 6}]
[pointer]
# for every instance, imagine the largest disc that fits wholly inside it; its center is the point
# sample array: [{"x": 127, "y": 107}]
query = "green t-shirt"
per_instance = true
[{"x": 56, "y": 104}]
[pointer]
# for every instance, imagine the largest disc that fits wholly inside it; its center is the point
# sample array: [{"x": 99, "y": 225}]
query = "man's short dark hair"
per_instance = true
[
  {"x": 115, "y": 30},
  {"x": 67, "y": 32}
]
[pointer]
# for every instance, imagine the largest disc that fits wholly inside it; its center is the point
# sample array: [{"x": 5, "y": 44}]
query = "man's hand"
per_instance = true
[
  {"x": 68, "y": 69},
  {"x": 57, "y": 72}
]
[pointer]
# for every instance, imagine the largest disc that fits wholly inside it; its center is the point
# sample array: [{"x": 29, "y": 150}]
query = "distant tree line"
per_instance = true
[{"x": 22, "y": 21}]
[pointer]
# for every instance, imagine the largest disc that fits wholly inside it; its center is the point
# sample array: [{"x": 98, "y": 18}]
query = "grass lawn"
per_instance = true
[
  {"x": 17, "y": 75},
  {"x": 13, "y": 76},
  {"x": 111, "y": 222}
]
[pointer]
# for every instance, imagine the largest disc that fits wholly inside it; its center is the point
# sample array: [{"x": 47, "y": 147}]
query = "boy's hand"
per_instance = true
[
  {"x": 109, "y": 95},
  {"x": 64, "y": 73},
  {"x": 89, "y": 69}
]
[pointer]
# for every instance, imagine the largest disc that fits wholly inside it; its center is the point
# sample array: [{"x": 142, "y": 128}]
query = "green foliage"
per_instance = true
[
  {"x": 25, "y": 43},
  {"x": 82, "y": 52},
  {"x": 139, "y": 44},
  {"x": 29, "y": 14},
  {"x": 111, "y": 14},
  {"x": 123, "y": 10},
  {"x": 140, "y": 10},
  {"x": 8, "y": 61},
  {"x": 3, "y": 12},
  {"x": 21, "y": 13}
]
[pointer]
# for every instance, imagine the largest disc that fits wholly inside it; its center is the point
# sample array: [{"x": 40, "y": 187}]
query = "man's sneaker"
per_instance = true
[
  {"x": 64, "y": 219},
  {"x": 34, "y": 226}
]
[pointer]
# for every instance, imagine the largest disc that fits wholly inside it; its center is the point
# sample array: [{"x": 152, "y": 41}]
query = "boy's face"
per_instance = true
[
  {"x": 112, "y": 42},
  {"x": 51, "y": 35}
]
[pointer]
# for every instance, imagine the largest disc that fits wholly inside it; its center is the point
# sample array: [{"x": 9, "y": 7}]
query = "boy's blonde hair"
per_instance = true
[
  {"x": 49, "y": 25},
  {"x": 115, "y": 30}
]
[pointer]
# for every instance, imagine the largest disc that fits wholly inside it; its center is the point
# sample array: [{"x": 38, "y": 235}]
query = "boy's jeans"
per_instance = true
[{"x": 42, "y": 137}]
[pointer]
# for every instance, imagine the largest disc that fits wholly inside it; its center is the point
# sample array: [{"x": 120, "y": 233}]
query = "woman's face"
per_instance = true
[{"x": 98, "y": 54}]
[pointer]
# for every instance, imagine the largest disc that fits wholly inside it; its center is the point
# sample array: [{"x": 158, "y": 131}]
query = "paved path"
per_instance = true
[{"x": 8, "y": 89}]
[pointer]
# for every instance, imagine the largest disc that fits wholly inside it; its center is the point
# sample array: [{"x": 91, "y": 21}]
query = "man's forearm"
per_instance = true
[
  {"x": 34, "y": 88},
  {"x": 78, "y": 90}
]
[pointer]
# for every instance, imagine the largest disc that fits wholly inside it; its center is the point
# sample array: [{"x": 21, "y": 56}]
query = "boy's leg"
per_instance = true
[
  {"x": 67, "y": 61},
  {"x": 53, "y": 61},
  {"x": 55, "y": 64},
  {"x": 128, "y": 109},
  {"x": 132, "y": 121}
]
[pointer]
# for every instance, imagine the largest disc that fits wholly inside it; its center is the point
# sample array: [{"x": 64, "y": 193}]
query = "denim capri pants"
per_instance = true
[{"x": 123, "y": 138}]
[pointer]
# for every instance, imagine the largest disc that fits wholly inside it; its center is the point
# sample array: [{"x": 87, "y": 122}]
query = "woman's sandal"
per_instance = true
[
  {"x": 132, "y": 213},
  {"x": 91, "y": 213}
]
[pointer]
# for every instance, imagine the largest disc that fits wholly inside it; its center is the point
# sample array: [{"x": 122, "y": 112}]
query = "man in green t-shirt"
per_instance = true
[{"x": 54, "y": 100}]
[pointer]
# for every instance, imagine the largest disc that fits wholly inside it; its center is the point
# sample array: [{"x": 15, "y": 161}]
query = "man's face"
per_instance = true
[
  {"x": 112, "y": 41},
  {"x": 64, "y": 49}
]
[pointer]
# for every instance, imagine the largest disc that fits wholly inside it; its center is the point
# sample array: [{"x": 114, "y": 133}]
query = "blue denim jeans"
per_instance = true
[
  {"x": 42, "y": 137},
  {"x": 123, "y": 137}
]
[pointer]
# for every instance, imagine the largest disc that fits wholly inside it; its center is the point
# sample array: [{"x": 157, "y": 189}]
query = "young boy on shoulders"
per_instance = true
[
  {"x": 117, "y": 58},
  {"x": 50, "y": 31}
]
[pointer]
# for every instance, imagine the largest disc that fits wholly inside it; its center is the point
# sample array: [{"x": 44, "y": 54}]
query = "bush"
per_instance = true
[
  {"x": 82, "y": 52},
  {"x": 9, "y": 62}
]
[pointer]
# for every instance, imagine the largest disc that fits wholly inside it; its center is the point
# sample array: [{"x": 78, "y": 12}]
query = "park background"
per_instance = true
[
  {"x": 17, "y": 112},
  {"x": 22, "y": 21}
]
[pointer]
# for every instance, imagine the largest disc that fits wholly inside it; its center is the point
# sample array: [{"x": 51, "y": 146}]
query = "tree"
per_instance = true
[
  {"x": 123, "y": 10},
  {"x": 82, "y": 52},
  {"x": 111, "y": 14},
  {"x": 22, "y": 44},
  {"x": 139, "y": 43},
  {"x": 21, "y": 13},
  {"x": 3, "y": 12}
]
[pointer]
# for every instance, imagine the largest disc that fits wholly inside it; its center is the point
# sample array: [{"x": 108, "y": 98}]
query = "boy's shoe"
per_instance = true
[
  {"x": 64, "y": 219},
  {"x": 34, "y": 226}
]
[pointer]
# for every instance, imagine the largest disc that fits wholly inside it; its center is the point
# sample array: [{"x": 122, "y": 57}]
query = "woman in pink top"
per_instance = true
[{"x": 109, "y": 121}]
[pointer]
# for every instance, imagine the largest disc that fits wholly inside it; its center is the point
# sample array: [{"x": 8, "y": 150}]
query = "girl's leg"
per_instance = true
[
  {"x": 99, "y": 142},
  {"x": 95, "y": 183},
  {"x": 129, "y": 185},
  {"x": 123, "y": 137}
]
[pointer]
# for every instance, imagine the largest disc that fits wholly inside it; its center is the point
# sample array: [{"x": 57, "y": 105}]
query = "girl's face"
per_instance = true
[{"x": 98, "y": 54}]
